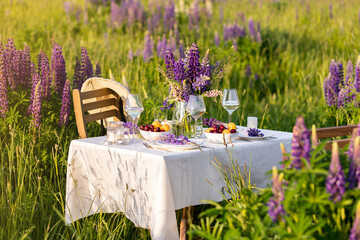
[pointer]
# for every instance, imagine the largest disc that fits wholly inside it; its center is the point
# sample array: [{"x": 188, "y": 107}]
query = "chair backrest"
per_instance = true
[
  {"x": 101, "y": 101},
  {"x": 332, "y": 132}
]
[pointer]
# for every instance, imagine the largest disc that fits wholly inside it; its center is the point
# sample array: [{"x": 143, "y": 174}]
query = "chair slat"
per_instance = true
[
  {"x": 97, "y": 93},
  {"x": 101, "y": 115},
  {"x": 334, "y": 131},
  {"x": 99, "y": 104},
  {"x": 341, "y": 143}
]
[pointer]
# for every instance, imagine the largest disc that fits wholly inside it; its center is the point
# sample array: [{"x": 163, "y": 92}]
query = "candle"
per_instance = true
[
  {"x": 111, "y": 134},
  {"x": 252, "y": 122}
]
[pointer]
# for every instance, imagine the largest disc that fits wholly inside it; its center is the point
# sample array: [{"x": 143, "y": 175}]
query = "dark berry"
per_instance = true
[
  {"x": 142, "y": 127},
  {"x": 233, "y": 130},
  {"x": 222, "y": 127},
  {"x": 220, "y": 131},
  {"x": 211, "y": 131},
  {"x": 146, "y": 128}
]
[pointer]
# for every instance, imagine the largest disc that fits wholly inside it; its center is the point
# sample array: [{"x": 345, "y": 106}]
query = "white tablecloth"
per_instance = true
[{"x": 148, "y": 185}]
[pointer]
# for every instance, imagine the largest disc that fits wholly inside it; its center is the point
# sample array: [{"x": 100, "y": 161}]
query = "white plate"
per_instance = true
[{"x": 245, "y": 136}]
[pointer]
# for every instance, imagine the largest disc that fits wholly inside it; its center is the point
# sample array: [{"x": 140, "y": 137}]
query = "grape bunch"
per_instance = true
[
  {"x": 172, "y": 139},
  {"x": 155, "y": 127},
  {"x": 210, "y": 122},
  {"x": 254, "y": 132},
  {"x": 220, "y": 128}
]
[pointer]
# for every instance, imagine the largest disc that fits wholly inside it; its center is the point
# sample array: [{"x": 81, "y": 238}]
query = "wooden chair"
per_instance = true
[
  {"x": 332, "y": 132},
  {"x": 99, "y": 100}
]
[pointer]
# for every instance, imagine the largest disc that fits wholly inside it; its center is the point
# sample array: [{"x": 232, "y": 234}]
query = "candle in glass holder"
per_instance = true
[
  {"x": 252, "y": 122},
  {"x": 111, "y": 134}
]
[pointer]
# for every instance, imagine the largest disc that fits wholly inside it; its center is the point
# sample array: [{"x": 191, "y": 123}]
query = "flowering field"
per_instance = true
[{"x": 287, "y": 60}]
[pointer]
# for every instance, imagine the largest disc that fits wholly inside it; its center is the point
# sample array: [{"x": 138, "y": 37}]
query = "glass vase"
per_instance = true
[{"x": 181, "y": 121}]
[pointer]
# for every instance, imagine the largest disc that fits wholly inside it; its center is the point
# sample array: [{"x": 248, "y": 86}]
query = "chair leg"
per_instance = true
[{"x": 183, "y": 224}]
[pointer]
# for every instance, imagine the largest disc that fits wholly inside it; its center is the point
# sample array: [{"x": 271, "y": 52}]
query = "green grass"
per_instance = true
[{"x": 291, "y": 61}]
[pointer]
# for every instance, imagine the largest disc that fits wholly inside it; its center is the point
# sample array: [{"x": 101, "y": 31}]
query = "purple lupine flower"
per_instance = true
[
  {"x": 354, "y": 157},
  {"x": 10, "y": 62},
  {"x": 65, "y": 105},
  {"x": 45, "y": 74},
  {"x": 169, "y": 63},
  {"x": 334, "y": 79},
  {"x": 252, "y": 30},
  {"x": 217, "y": 39},
  {"x": 355, "y": 230},
  {"x": 340, "y": 74},
  {"x": 201, "y": 84},
  {"x": 179, "y": 71},
  {"x": 357, "y": 76},
  {"x": 300, "y": 144},
  {"x": 163, "y": 46},
  {"x": 26, "y": 68},
  {"x": 331, "y": 10},
  {"x": 4, "y": 104},
  {"x": 36, "y": 101},
  {"x": 194, "y": 15},
  {"x": 97, "y": 70},
  {"x": 77, "y": 74},
  {"x": 349, "y": 73},
  {"x": 89, "y": 69},
  {"x": 328, "y": 92},
  {"x": 342, "y": 98},
  {"x": 276, "y": 208},
  {"x": 194, "y": 63},
  {"x": 169, "y": 15},
  {"x": 335, "y": 181},
  {"x": 86, "y": 70},
  {"x": 148, "y": 47},
  {"x": 181, "y": 50},
  {"x": 205, "y": 65},
  {"x": 58, "y": 68}
]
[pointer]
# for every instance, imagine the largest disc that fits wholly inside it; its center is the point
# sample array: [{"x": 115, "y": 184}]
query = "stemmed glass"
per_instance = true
[
  {"x": 196, "y": 107},
  {"x": 133, "y": 107},
  {"x": 230, "y": 101}
]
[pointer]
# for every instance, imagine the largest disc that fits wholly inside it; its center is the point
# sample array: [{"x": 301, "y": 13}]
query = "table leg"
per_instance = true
[{"x": 183, "y": 224}]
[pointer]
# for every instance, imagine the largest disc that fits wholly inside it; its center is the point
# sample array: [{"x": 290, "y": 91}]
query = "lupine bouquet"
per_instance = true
[
  {"x": 316, "y": 195},
  {"x": 193, "y": 76}
]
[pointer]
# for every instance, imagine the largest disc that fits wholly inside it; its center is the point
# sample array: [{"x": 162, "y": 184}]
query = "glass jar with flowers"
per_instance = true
[{"x": 191, "y": 76}]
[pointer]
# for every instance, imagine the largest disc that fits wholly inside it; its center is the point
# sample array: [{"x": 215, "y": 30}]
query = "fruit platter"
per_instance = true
[
  {"x": 220, "y": 133},
  {"x": 154, "y": 130}
]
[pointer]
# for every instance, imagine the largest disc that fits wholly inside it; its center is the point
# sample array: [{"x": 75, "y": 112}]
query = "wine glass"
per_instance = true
[
  {"x": 133, "y": 107},
  {"x": 230, "y": 101},
  {"x": 196, "y": 107}
]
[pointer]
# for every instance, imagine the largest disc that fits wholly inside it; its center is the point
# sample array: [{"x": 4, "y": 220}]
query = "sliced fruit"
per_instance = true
[{"x": 208, "y": 130}]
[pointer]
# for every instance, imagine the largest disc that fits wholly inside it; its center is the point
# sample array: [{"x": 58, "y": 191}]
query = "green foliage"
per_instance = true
[{"x": 309, "y": 212}]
